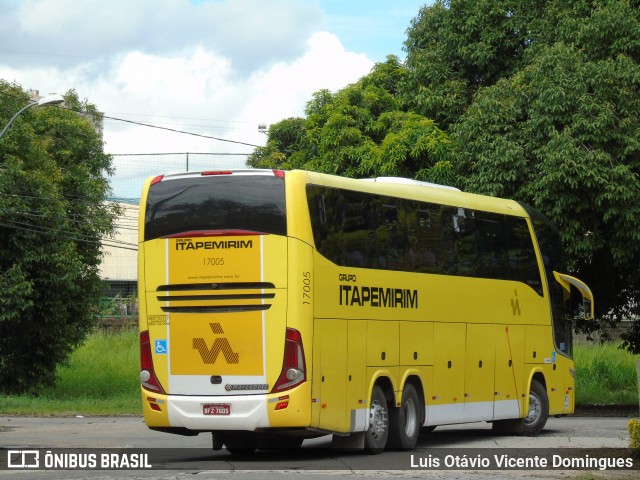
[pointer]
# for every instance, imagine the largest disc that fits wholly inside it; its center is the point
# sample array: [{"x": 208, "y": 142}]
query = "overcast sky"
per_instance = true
[{"x": 213, "y": 67}]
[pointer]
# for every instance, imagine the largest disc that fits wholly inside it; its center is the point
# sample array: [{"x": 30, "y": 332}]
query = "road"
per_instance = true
[{"x": 188, "y": 456}]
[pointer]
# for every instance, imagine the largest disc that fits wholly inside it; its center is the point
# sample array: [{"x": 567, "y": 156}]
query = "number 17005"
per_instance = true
[{"x": 213, "y": 261}]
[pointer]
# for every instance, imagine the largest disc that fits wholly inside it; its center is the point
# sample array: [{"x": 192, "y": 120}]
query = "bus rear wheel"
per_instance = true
[
  {"x": 405, "y": 421},
  {"x": 375, "y": 439},
  {"x": 241, "y": 444}
]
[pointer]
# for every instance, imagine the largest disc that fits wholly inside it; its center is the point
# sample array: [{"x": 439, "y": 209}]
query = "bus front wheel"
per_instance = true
[
  {"x": 538, "y": 412},
  {"x": 405, "y": 421},
  {"x": 536, "y": 418},
  {"x": 375, "y": 439}
]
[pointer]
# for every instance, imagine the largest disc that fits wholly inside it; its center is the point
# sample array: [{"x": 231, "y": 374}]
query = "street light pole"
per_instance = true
[{"x": 54, "y": 99}]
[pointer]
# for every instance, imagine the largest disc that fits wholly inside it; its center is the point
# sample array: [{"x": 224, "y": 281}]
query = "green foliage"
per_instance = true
[
  {"x": 536, "y": 100},
  {"x": 562, "y": 133},
  {"x": 52, "y": 218},
  {"x": 100, "y": 378},
  {"x": 360, "y": 131},
  {"x": 634, "y": 435},
  {"x": 605, "y": 375},
  {"x": 456, "y": 47}
]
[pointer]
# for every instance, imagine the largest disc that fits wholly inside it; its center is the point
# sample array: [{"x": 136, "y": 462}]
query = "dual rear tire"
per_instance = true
[{"x": 390, "y": 427}]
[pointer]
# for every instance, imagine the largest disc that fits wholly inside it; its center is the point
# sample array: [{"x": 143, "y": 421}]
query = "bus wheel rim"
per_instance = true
[
  {"x": 410, "y": 418},
  {"x": 535, "y": 410},
  {"x": 378, "y": 420}
]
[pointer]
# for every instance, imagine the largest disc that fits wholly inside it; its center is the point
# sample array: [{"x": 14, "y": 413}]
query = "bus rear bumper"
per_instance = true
[
  {"x": 247, "y": 413},
  {"x": 184, "y": 413}
]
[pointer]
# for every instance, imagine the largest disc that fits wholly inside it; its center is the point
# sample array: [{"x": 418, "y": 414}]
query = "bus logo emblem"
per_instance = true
[
  {"x": 515, "y": 305},
  {"x": 220, "y": 344}
]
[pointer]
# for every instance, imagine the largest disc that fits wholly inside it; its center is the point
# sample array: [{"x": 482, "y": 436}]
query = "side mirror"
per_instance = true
[{"x": 567, "y": 282}]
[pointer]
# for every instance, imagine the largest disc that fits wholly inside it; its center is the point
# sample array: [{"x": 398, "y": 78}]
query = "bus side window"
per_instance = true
[
  {"x": 322, "y": 211},
  {"x": 424, "y": 240},
  {"x": 464, "y": 234},
  {"x": 423, "y": 219},
  {"x": 447, "y": 241},
  {"x": 492, "y": 254},
  {"x": 523, "y": 264},
  {"x": 391, "y": 238}
]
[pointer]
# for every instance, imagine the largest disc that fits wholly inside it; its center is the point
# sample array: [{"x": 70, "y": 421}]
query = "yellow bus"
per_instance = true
[{"x": 277, "y": 306}]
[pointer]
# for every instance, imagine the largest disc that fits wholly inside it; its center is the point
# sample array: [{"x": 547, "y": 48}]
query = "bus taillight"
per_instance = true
[
  {"x": 157, "y": 179},
  {"x": 293, "y": 365},
  {"x": 147, "y": 374}
]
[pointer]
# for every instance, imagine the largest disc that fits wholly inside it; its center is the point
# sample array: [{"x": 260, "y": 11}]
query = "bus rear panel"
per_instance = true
[{"x": 216, "y": 350}]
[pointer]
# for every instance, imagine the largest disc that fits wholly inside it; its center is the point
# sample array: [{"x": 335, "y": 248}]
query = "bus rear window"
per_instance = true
[{"x": 253, "y": 203}]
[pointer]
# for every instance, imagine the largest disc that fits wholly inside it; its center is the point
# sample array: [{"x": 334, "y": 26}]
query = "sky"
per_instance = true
[{"x": 211, "y": 67}]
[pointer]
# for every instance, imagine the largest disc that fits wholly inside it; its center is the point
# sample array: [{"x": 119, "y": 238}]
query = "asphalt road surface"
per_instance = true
[{"x": 448, "y": 452}]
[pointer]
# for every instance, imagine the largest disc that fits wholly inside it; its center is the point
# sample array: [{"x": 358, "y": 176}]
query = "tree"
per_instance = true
[
  {"x": 455, "y": 47},
  {"x": 360, "y": 131},
  {"x": 536, "y": 100},
  {"x": 542, "y": 104},
  {"x": 53, "y": 216}
]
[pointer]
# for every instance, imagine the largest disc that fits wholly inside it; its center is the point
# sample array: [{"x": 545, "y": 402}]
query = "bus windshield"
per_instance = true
[
  {"x": 553, "y": 259},
  {"x": 205, "y": 204}
]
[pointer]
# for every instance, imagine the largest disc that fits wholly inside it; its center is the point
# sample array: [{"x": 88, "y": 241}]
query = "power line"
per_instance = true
[
  {"x": 182, "y": 132},
  {"x": 74, "y": 218},
  {"x": 182, "y": 118},
  {"x": 177, "y": 153},
  {"x": 174, "y": 130},
  {"x": 68, "y": 235}
]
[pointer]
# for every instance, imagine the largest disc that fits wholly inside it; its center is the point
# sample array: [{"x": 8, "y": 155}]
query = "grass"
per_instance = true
[
  {"x": 102, "y": 379},
  {"x": 605, "y": 375}
]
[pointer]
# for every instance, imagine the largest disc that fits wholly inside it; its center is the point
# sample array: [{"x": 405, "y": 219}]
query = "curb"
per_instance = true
[{"x": 606, "y": 411}]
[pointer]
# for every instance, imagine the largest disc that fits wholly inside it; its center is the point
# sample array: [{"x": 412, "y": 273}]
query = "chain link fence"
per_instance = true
[{"x": 131, "y": 170}]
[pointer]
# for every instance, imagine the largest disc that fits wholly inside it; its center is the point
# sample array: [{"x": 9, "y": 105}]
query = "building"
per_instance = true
[{"x": 119, "y": 268}]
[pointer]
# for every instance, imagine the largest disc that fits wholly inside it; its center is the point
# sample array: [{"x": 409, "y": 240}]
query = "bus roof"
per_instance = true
[
  {"x": 415, "y": 190},
  {"x": 390, "y": 186}
]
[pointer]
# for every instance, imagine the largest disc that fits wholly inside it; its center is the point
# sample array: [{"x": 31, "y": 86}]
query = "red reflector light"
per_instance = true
[
  {"x": 293, "y": 364},
  {"x": 157, "y": 179},
  {"x": 282, "y": 405},
  {"x": 278, "y": 173},
  {"x": 147, "y": 374},
  {"x": 217, "y": 172}
]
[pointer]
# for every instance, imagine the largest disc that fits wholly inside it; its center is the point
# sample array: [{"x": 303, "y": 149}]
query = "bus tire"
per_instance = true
[
  {"x": 241, "y": 444},
  {"x": 281, "y": 442},
  {"x": 538, "y": 412},
  {"x": 375, "y": 439},
  {"x": 405, "y": 421},
  {"x": 536, "y": 417}
]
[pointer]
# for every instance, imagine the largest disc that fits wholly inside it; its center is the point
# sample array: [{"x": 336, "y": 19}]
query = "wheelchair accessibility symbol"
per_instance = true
[{"x": 161, "y": 346}]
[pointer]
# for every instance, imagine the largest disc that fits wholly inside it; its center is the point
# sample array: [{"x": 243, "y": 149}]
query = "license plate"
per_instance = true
[{"x": 216, "y": 409}]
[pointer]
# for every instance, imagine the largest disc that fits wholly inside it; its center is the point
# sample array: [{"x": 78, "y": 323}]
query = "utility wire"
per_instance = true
[
  {"x": 121, "y": 223},
  {"x": 101, "y": 115},
  {"x": 68, "y": 233},
  {"x": 50, "y": 231},
  {"x": 182, "y": 131}
]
